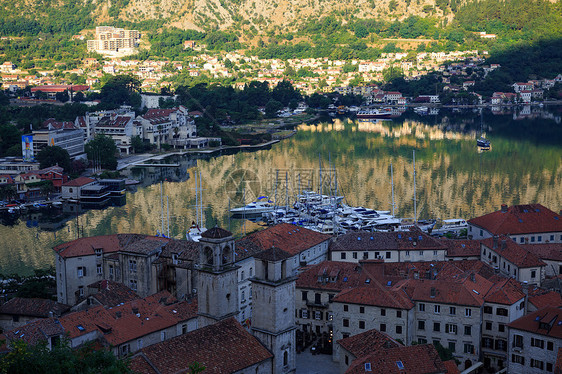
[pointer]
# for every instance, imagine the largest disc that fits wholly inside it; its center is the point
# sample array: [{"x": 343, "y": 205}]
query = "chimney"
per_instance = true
[
  {"x": 504, "y": 244},
  {"x": 495, "y": 242},
  {"x": 525, "y": 287},
  {"x": 504, "y": 208}
]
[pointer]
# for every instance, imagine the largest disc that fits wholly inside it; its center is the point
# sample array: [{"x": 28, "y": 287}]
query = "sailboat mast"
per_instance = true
[
  {"x": 161, "y": 209},
  {"x": 392, "y": 186},
  {"x": 415, "y": 202},
  {"x": 168, "y": 213},
  {"x": 196, "y": 201},
  {"x": 286, "y": 192},
  {"x": 201, "y": 198},
  {"x": 319, "y": 174}
]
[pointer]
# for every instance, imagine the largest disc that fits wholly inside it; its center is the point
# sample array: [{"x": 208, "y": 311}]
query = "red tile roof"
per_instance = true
[
  {"x": 380, "y": 241},
  {"x": 368, "y": 342},
  {"x": 216, "y": 233},
  {"x": 112, "y": 293},
  {"x": 129, "y": 321},
  {"x": 33, "y": 307},
  {"x": 290, "y": 238},
  {"x": 546, "y": 321},
  {"x": 517, "y": 254},
  {"x": 461, "y": 248},
  {"x": 36, "y": 331},
  {"x": 111, "y": 243},
  {"x": 224, "y": 347},
  {"x": 79, "y": 182},
  {"x": 545, "y": 298},
  {"x": 415, "y": 359},
  {"x": 332, "y": 276},
  {"x": 376, "y": 295},
  {"x": 520, "y": 219},
  {"x": 507, "y": 291},
  {"x": 547, "y": 251},
  {"x": 445, "y": 292}
]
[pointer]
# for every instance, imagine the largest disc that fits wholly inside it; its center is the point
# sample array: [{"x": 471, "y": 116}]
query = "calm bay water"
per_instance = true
[{"x": 453, "y": 178}]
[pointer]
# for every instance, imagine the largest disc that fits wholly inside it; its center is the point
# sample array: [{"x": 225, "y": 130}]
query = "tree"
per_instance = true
[
  {"x": 62, "y": 359},
  {"x": 9, "y": 137},
  {"x": 63, "y": 96},
  {"x": 285, "y": 92},
  {"x": 54, "y": 155},
  {"x": 272, "y": 107},
  {"x": 120, "y": 90},
  {"x": 7, "y": 192},
  {"x": 102, "y": 150}
]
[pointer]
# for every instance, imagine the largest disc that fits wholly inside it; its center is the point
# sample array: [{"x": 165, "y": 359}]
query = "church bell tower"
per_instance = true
[
  {"x": 217, "y": 277},
  {"x": 273, "y": 307}
]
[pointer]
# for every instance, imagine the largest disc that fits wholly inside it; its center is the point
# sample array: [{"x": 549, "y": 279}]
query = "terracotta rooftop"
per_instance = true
[
  {"x": 547, "y": 251},
  {"x": 542, "y": 299},
  {"x": 415, "y": 359},
  {"x": 507, "y": 291},
  {"x": 332, "y": 276},
  {"x": 376, "y": 295},
  {"x": 461, "y": 248},
  {"x": 130, "y": 320},
  {"x": 110, "y": 293},
  {"x": 546, "y": 321},
  {"x": 517, "y": 254},
  {"x": 368, "y": 342},
  {"x": 79, "y": 182},
  {"x": 111, "y": 243},
  {"x": 36, "y": 331},
  {"x": 224, "y": 347},
  {"x": 380, "y": 241},
  {"x": 520, "y": 219},
  {"x": 443, "y": 291},
  {"x": 216, "y": 233},
  {"x": 290, "y": 238},
  {"x": 273, "y": 254},
  {"x": 33, "y": 307}
]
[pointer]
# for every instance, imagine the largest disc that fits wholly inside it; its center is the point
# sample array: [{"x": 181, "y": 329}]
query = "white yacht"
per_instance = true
[
  {"x": 453, "y": 225},
  {"x": 258, "y": 207}
]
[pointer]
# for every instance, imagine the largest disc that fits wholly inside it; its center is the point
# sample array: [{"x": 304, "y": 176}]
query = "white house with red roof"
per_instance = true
[
  {"x": 512, "y": 260},
  {"x": 71, "y": 189},
  {"x": 535, "y": 341},
  {"x": 525, "y": 224},
  {"x": 119, "y": 127}
]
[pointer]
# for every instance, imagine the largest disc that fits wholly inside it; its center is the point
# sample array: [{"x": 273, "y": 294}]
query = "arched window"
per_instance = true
[
  {"x": 226, "y": 255},
  {"x": 208, "y": 252},
  {"x": 285, "y": 358}
]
